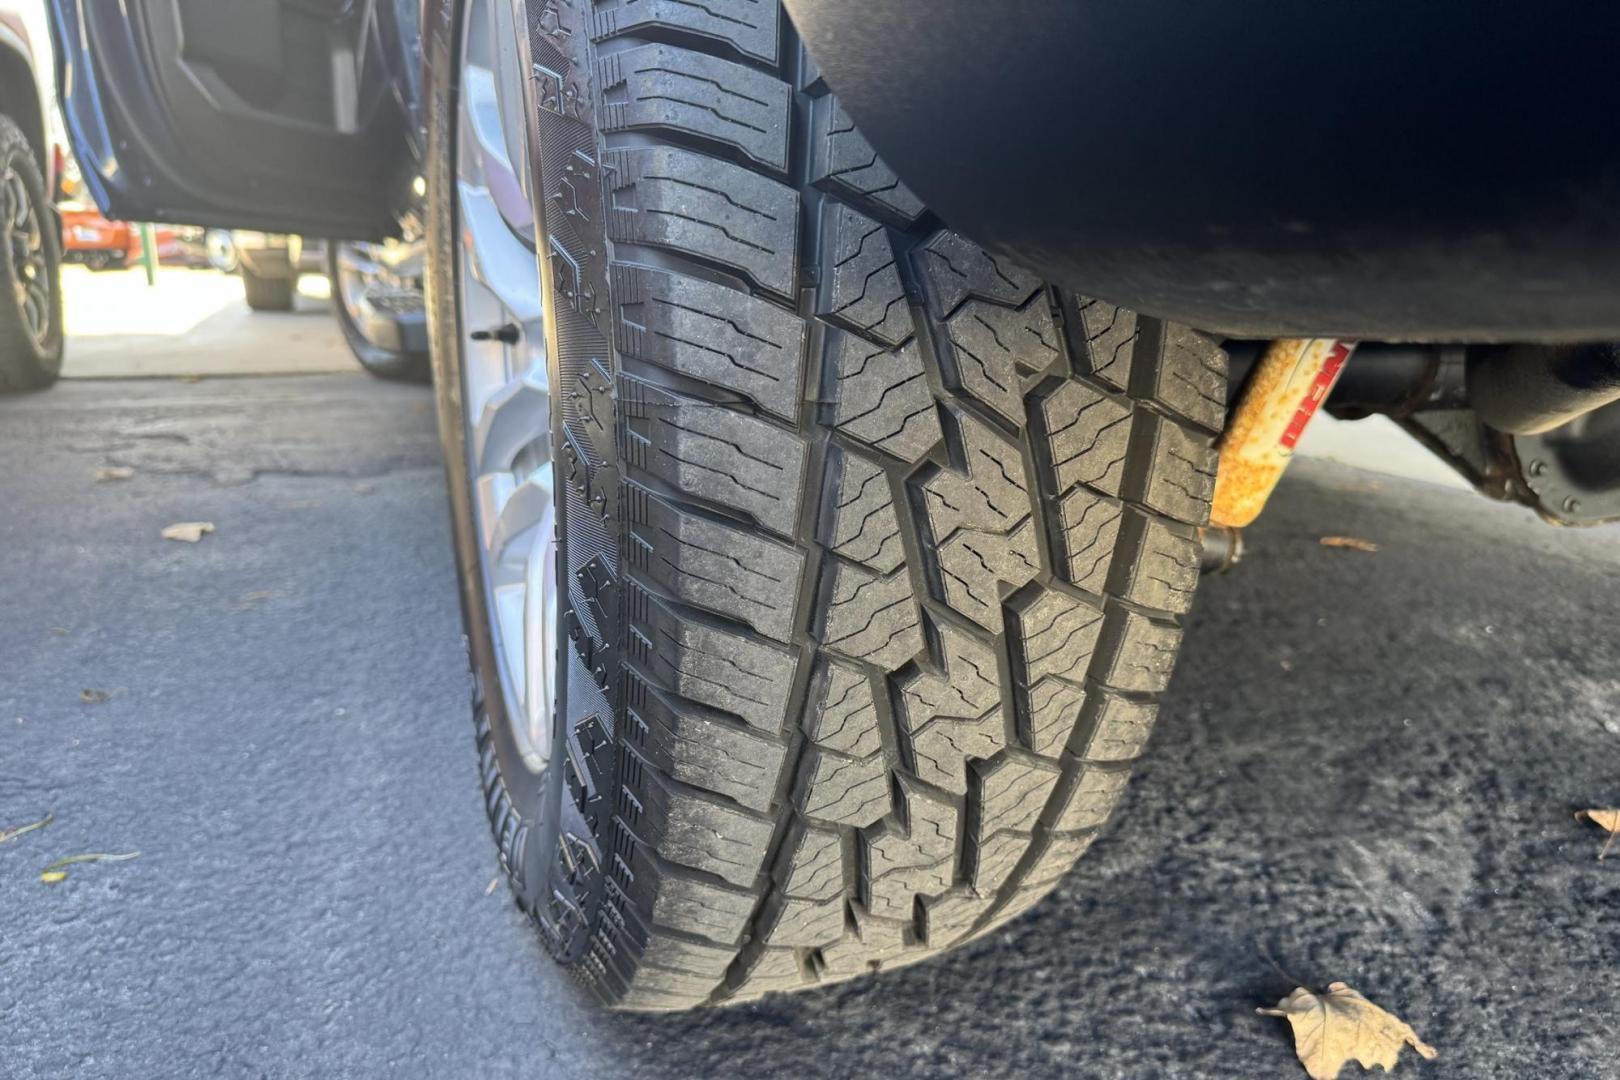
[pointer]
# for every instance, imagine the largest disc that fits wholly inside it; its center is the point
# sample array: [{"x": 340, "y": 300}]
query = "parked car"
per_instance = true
[
  {"x": 90, "y": 239},
  {"x": 377, "y": 296},
  {"x": 828, "y": 496},
  {"x": 31, "y": 335}
]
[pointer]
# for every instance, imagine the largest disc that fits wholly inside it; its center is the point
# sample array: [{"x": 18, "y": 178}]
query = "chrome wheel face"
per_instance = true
[
  {"x": 26, "y": 244},
  {"x": 356, "y": 270},
  {"x": 506, "y": 392}
]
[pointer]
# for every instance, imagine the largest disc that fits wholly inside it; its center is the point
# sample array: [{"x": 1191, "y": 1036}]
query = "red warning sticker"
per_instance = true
[{"x": 1321, "y": 386}]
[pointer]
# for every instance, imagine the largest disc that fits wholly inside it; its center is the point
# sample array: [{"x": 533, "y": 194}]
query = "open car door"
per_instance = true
[{"x": 289, "y": 116}]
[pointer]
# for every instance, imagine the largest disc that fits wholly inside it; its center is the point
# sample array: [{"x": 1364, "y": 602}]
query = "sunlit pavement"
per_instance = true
[
  {"x": 193, "y": 322},
  {"x": 1366, "y": 771}
]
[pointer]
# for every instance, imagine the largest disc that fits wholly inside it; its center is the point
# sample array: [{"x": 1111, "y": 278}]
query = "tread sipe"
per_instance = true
[{"x": 895, "y": 541}]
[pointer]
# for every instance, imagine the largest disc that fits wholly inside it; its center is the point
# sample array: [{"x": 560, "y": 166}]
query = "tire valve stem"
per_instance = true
[{"x": 506, "y": 334}]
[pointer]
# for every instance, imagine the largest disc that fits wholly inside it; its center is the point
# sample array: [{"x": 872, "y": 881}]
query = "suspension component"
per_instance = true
[{"x": 1286, "y": 389}]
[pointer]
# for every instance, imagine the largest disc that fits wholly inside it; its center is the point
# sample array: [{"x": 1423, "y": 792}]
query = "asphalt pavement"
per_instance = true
[{"x": 1366, "y": 771}]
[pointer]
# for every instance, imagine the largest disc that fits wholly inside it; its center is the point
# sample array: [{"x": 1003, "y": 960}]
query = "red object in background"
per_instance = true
[
  {"x": 100, "y": 244},
  {"x": 89, "y": 238}
]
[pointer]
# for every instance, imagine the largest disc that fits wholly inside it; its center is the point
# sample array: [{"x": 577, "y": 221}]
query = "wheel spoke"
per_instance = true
[
  {"x": 518, "y": 415},
  {"x": 508, "y": 510},
  {"x": 505, "y": 265}
]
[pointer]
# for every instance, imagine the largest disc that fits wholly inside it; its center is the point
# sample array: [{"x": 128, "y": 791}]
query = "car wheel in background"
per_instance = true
[
  {"x": 31, "y": 333},
  {"x": 383, "y": 320},
  {"x": 268, "y": 293},
  {"x": 220, "y": 250},
  {"x": 821, "y": 571}
]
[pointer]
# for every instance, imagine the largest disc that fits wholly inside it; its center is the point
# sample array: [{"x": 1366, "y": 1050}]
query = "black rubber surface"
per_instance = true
[
  {"x": 1366, "y": 764},
  {"x": 877, "y": 550}
]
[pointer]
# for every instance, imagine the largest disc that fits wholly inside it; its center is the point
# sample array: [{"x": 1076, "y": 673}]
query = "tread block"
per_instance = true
[
  {"x": 842, "y": 715},
  {"x": 674, "y": 898},
  {"x": 881, "y": 397},
  {"x": 691, "y": 831},
  {"x": 805, "y": 924},
  {"x": 946, "y": 918},
  {"x": 1110, "y": 334},
  {"x": 714, "y": 453},
  {"x": 1092, "y": 799},
  {"x": 702, "y": 206},
  {"x": 1012, "y": 793},
  {"x": 812, "y": 863},
  {"x": 1056, "y": 635},
  {"x": 953, "y": 269},
  {"x": 872, "y": 617},
  {"x": 720, "y": 568},
  {"x": 773, "y": 970},
  {"x": 844, "y": 163},
  {"x": 1053, "y": 709},
  {"x": 955, "y": 715},
  {"x": 664, "y": 87},
  {"x": 1088, "y": 530},
  {"x": 863, "y": 526},
  {"x": 981, "y": 524},
  {"x": 749, "y": 26},
  {"x": 689, "y": 957},
  {"x": 705, "y": 664},
  {"x": 1088, "y": 434},
  {"x": 845, "y": 790},
  {"x": 1121, "y": 727},
  {"x": 871, "y": 944},
  {"x": 863, "y": 290},
  {"x": 702, "y": 750},
  {"x": 1181, "y": 477},
  {"x": 710, "y": 332},
  {"x": 1190, "y": 377},
  {"x": 997, "y": 349},
  {"x": 915, "y": 859},
  {"x": 1144, "y": 653},
  {"x": 1161, "y": 570},
  {"x": 995, "y": 859}
]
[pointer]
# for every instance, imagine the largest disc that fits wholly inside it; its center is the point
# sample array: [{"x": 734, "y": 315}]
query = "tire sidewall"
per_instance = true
[
  {"x": 33, "y": 363},
  {"x": 526, "y": 811}
]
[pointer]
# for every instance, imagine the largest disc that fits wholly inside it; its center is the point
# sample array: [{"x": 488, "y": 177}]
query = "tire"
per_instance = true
[
  {"x": 268, "y": 293},
  {"x": 28, "y": 360},
  {"x": 877, "y": 548},
  {"x": 398, "y": 365}
]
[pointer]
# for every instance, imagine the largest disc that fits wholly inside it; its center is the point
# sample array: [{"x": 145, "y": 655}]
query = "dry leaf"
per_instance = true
[
  {"x": 113, "y": 472},
  {"x": 19, "y": 830},
  {"x": 93, "y": 697},
  {"x": 57, "y": 871},
  {"x": 188, "y": 531},
  {"x": 1333, "y": 1029},
  {"x": 1603, "y": 819},
  {"x": 1353, "y": 542},
  {"x": 494, "y": 883}
]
